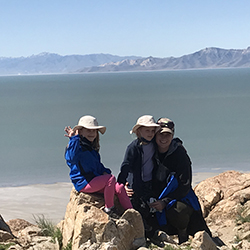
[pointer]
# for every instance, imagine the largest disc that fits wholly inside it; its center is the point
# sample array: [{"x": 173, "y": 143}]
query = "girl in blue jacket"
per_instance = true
[{"x": 87, "y": 173}]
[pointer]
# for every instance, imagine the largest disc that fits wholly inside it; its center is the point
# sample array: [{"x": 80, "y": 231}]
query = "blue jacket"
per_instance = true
[
  {"x": 190, "y": 199},
  {"x": 84, "y": 162}
]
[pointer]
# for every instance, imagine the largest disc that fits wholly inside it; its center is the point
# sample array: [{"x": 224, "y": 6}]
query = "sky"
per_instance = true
[{"x": 158, "y": 28}]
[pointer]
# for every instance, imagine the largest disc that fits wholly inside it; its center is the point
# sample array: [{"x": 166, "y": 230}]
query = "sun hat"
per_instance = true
[
  {"x": 146, "y": 121},
  {"x": 166, "y": 124},
  {"x": 89, "y": 122}
]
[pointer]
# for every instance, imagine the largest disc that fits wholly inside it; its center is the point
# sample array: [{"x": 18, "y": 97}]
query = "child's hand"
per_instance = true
[
  {"x": 129, "y": 191},
  {"x": 70, "y": 132}
]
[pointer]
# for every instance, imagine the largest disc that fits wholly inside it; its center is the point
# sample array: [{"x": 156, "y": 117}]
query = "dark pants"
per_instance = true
[
  {"x": 198, "y": 223},
  {"x": 182, "y": 217},
  {"x": 149, "y": 219},
  {"x": 178, "y": 218},
  {"x": 140, "y": 203}
]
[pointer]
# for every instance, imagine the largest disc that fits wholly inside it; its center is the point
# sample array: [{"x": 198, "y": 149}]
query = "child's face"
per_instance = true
[
  {"x": 89, "y": 134},
  {"x": 147, "y": 133}
]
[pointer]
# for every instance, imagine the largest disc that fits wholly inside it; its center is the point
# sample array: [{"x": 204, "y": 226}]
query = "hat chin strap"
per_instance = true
[{"x": 144, "y": 140}]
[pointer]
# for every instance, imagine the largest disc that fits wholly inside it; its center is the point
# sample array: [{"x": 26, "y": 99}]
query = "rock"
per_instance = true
[
  {"x": 246, "y": 211},
  {"x": 28, "y": 237},
  {"x": 202, "y": 241},
  {"x": 243, "y": 245},
  {"x": 31, "y": 238},
  {"x": 243, "y": 231},
  {"x": 5, "y": 236},
  {"x": 224, "y": 190},
  {"x": 223, "y": 198},
  {"x": 17, "y": 225},
  {"x": 88, "y": 227}
]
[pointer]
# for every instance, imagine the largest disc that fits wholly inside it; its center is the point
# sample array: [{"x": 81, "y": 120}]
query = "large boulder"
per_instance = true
[
  {"x": 86, "y": 226},
  {"x": 219, "y": 194},
  {"x": 222, "y": 196},
  {"x": 224, "y": 199}
]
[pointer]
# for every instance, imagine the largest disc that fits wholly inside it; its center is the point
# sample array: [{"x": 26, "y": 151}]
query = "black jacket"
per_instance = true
[
  {"x": 131, "y": 168},
  {"x": 175, "y": 162}
]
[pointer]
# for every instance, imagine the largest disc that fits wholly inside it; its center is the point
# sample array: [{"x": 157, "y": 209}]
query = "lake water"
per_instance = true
[{"x": 211, "y": 110}]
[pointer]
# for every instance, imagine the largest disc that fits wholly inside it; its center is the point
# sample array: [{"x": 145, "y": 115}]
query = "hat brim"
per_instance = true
[
  {"x": 145, "y": 125},
  {"x": 164, "y": 129},
  {"x": 102, "y": 129}
]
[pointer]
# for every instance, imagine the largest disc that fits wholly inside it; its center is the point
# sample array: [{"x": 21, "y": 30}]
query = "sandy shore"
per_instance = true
[
  {"x": 25, "y": 202},
  {"x": 50, "y": 200}
]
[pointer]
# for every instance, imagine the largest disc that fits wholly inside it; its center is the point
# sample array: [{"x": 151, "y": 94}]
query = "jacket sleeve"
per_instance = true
[
  {"x": 127, "y": 164},
  {"x": 72, "y": 154},
  {"x": 183, "y": 174},
  {"x": 73, "y": 150}
]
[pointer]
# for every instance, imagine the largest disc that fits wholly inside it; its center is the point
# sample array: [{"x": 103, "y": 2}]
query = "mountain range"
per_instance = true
[
  {"x": 206, "y": 58},
  {"x": 49, "y": 63}
]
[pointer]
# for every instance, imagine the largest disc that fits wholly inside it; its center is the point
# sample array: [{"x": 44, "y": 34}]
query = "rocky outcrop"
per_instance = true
[
  {"x": 225, "y": 201},
  {"x": 221, "y": 196},
  {"x": 26, "y": 236},
  {"x": 87, "y": 226}
]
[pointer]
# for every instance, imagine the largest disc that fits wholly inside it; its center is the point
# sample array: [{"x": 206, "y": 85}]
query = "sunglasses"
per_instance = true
[{"x": 166, "y": 124}]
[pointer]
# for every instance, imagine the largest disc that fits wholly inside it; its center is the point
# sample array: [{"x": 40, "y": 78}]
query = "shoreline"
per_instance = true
[
  {"x": 201, "y": 176},
  {"x": 48, "y": 200},
  {"x": 27, "y": 202}
]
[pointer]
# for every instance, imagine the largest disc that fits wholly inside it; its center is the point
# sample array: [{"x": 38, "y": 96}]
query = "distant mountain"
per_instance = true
[
  {"x": 48, "y": 63},
  {"x": 206, "y": 58}
]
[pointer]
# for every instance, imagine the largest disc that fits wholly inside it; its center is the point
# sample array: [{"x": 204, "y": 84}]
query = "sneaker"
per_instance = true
[
  {"x": 111, "y": 212},
  {"x": 156, "y": 240},
  {"x": 165, "y": 237}
]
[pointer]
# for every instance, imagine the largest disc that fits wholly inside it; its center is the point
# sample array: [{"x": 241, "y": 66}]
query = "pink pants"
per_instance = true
[{"x": 107, "y": 185}]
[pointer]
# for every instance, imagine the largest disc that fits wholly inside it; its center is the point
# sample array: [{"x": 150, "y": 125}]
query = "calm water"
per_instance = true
[{"x": 209, "y": 107}]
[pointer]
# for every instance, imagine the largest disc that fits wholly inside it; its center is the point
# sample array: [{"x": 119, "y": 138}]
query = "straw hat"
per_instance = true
[
  {"x": 89, "y": 122},
  {"x": 167, "y": 125},
  {"x": 146, "y": 121}
]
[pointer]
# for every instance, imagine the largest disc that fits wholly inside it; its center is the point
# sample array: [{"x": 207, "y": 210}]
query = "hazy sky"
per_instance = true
[{"x": 159, "y": 28}]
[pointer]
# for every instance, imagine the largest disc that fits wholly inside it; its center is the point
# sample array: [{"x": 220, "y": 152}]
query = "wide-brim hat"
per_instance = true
[
  {"x": 166, "y": 125},
  {"x": 146, "y": 121},
  {"x": 89, "y": 122}
]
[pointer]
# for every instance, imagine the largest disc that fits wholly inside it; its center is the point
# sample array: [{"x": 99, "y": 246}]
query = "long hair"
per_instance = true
[{"x": 96, "y": 142}]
